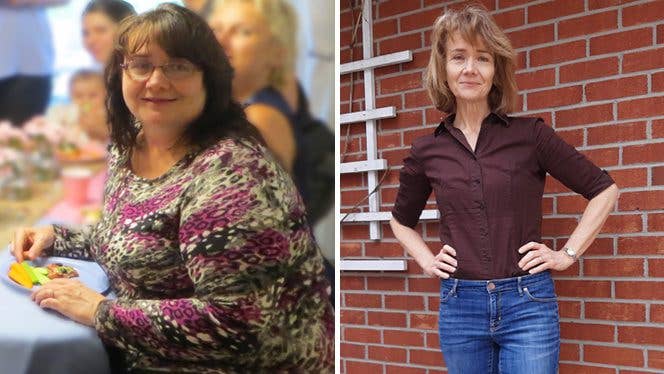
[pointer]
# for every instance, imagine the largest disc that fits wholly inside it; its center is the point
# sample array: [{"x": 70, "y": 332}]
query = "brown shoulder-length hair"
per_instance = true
[
  {"x": 473, "y": 23},
  {"x": 181, "y": 34}
]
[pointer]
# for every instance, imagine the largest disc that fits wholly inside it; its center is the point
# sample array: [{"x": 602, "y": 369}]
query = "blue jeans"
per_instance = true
[{"x": 506, "y": 326}]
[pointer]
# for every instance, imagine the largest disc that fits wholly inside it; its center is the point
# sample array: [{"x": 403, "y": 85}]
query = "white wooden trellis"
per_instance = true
[{"x": 372, "y": 164}]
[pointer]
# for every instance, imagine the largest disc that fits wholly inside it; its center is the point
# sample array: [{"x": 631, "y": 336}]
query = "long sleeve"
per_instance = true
[{"x": 255, "y": 271}]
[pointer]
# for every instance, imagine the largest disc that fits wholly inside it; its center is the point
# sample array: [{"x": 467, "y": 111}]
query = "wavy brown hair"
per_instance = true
[
  {"x": 181, "y": 34},
  {"x": 473, "y": 23}
]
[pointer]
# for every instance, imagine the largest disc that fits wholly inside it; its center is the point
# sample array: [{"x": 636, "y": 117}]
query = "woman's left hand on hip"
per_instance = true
[
  {"x": 71, "y": 298},
  {"x": 540, "y": 258}
]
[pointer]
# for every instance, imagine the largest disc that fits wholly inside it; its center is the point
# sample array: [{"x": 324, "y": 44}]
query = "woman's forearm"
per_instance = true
[
  {"x": 593, "y": 219},
  {"x": 412, "y": 241}
]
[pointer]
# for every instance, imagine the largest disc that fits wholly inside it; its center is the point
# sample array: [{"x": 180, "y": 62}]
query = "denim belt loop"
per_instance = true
[
  {"x": 518, "y": 286},
  {"x": 454, "y": 287}
]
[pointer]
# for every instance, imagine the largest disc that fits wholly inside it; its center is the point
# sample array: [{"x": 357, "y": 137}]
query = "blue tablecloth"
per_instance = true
[{"x": 34, "y": 340}]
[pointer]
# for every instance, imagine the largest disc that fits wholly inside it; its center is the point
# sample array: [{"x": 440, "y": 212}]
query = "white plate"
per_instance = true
[{"x": 89, "y": 273}]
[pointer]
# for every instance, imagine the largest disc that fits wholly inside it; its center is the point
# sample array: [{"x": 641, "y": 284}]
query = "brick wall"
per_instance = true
[{"x": 594, "y": 69}]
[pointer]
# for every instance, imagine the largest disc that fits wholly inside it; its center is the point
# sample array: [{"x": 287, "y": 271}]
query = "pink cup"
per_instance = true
[{"x": 75, "y": 181}]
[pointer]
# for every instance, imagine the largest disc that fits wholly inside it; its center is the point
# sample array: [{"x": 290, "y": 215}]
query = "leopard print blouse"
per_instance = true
[{"x": 214, "y": 267}]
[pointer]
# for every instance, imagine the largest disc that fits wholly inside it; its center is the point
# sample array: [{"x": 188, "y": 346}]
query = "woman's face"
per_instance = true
[
  {"x": 243, "y": 33},
  {"x": 98, "y": 34},
  {"x": 470, "y": 69},
  {"x": 159, "y": 100}
]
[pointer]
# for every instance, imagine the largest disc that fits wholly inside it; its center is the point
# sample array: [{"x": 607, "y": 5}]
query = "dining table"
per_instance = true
[{"x": 35, "y": 340}]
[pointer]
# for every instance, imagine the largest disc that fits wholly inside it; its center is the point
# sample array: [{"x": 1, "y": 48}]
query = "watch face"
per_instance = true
[{"x": 570, "y": 252}]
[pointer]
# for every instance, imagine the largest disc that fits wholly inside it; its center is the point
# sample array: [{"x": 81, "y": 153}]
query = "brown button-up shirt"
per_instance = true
[{"x": 490, "y": 200}]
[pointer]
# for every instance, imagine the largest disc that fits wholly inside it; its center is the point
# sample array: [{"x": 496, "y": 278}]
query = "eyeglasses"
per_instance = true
[{"x": 141, "y": 70}]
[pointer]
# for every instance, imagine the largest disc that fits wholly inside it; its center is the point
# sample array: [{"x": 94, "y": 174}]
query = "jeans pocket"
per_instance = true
[
  {"x": 540, "y": 298},
  {"x": 447, "y": 290}
]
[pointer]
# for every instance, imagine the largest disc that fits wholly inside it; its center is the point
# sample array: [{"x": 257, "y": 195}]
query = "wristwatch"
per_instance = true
[{"x": 570, "y": 252}]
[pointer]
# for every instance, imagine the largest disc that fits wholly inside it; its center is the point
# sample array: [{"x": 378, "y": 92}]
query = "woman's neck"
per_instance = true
[
  {"x": 243, "y": 89},
  {"x": 469, "y": 116}
]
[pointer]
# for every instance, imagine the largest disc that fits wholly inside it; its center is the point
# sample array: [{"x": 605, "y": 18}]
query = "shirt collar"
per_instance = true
[{"x": 448, "y": 122}]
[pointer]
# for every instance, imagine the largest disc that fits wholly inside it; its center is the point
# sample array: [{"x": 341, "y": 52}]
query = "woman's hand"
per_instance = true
[
  {"x": 540, "y": 258},
  {"x": 71, "y": 298},
  {"x": 29, "y": 242},
  {"x": 443, "y": 264}
]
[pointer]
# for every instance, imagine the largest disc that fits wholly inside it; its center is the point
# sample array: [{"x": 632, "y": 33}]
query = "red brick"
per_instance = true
[
  {"x": 623, "y": 224},
  {"x": 400, "y": 83},
  {"x": 558, "y": 226},
  {"x": 616, "y": 133},
  {"x": 390, "y": 354},
  {"x": 658, "y": 82},
  {"x": 404, "y": 302},
  {"x": 352, "y": 283},
  {"x": 353, "y": 350},
  {"x": 554, "y": 9},
  {"x": 641, "y": 245},
  {"x": 395, "y": 7},
  {"x": 402, "y": 120},
  {"x": 584, "y": 115},
  {"x": 362, "y": 335},
  {"x": 417, "y": 99},
  {"x": 531, "y": 36},
  {"x": 552, "y": 185},
  {"x": 350, "y": 198},
  {"x": 598, "y": 4},
  {"x": 386, "y": 284},
  {"x": 620, "y": 41},
  {"x": 383, "y": 249},
  {"x": 510, "y": 18},
  {"x": 616, "y": 311},
  {"x": 653, "y": 152},
  {"x": 572, "y": 137},
  {"x": 536, "y": 79},
  {"x": 399, "y": 43},
  {"x": 352, "y": 317},
  {"x": 625, "y": 267},
  {"x": 558, "y": 53},
  {"x": 555, "y": 97},
  {"x": 383, "y": 28},
  {"x": 583, "y": 288},
  {"x": 359, "y": 367},
  {"x": 617, "y": 88},
  {"x": 656, "y": 359},
  {"x": 419, "y": 20},
  {"x": 657, "y": 313},
  {"x": 643, "y": 60},
  {"x": 423, "y": 284},
  {"x": 392, "y": 369},
  {"x": 571, "y": 204},
  {"x": 511, "y": 3},
  {"x": 362, "y": 300},
  {"x": 547, "y": 205},
  {"x": 586, "y": 331},
  {"x": 569, "y": 352},
  {"x": 658, "y": 175},
  {"x": 656, "y": 267},
  {"x": 613, "y": 355},
  {"x": 584, "y": 369},
  {"x": 645, "y": 200},
  {"x": 403, "y": 338},
  {"x": 660, "y": 34},
  {"x": 410, "y": 135},
  {"x": 423, "y": 321},
  {"x": 350, "y": 249},
  {"x": 643, "y": 13},
  {"x": 427, "y": 358},
  {"x": 658, "y": 128},
  {"x": 569, "y": 309},
  {"x": 386, "y": 319},
  {"x": 587, "y": 24},
  {"x": 641, "y": 335},
  {"x": 591, "y": 69},
  {"x": 601, "y": 246},
  {"x": 391, "y": 100},
  {"x": 637, "y": 177},
  {"x": 603, "y": 156},
  {"x": 388, "y": 140},
  {"x": 656, "y": 222},
  {"x": 640, "y": 290}
]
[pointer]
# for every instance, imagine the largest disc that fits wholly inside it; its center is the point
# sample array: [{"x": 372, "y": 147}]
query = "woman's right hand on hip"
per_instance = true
[
  {"x": 29, "y": 242},
  {"x": 443, "y": 264}
]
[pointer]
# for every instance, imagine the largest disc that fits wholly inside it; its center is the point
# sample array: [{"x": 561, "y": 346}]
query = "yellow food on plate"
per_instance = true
[{"x": 19, "y": 275}]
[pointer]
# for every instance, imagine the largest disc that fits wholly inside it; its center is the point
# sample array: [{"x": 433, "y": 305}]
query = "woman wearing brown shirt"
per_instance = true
[{"x": 498, "y": 311}]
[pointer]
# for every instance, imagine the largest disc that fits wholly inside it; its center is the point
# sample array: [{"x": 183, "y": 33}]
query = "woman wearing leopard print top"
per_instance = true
[{"x": 203, "y": 236}]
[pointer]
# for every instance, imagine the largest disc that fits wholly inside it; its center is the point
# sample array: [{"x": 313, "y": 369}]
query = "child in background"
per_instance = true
[{"x": 84, "y": 119}]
